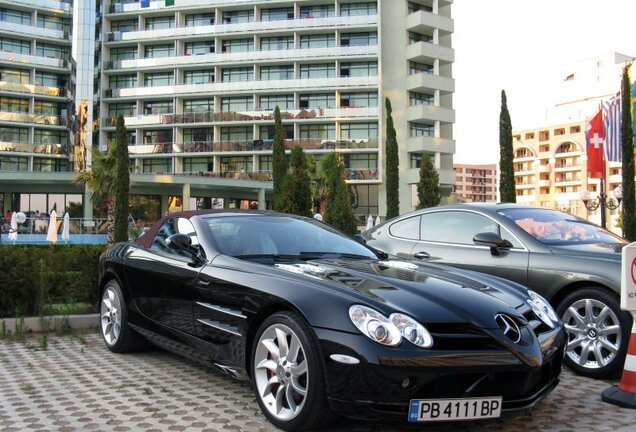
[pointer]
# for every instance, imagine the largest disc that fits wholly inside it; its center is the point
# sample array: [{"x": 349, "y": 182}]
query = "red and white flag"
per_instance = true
[{"x": 595, "y": 137}]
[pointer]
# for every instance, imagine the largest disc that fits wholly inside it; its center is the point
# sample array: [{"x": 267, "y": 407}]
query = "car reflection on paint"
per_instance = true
[{"x": 323, "y": 325}]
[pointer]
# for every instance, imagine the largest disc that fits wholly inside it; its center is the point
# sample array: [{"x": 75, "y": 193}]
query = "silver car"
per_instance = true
[{"x": 573, "y": 263}]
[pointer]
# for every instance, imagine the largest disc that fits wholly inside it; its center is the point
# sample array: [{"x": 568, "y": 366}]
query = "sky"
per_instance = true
[{"x": 524, "y": 47}]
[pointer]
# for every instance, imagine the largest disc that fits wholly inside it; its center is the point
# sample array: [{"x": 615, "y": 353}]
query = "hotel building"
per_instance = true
[
  {"x": 476, "y": 183},
  {"x": 197, "y": 82}
]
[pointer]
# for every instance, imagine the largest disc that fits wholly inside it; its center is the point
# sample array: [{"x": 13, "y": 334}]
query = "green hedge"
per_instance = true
[{"x": 32, "y": 278}]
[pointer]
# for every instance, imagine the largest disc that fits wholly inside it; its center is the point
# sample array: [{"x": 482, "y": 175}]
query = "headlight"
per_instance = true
[
  {"x": 389, "y": 331},
  {"x": 542, "y": 309}
]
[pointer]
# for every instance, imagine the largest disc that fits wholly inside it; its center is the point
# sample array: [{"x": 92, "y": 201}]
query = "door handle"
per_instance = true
[
  {"x": 203, "y": 283},
  {"x": 421, "y": 255}
]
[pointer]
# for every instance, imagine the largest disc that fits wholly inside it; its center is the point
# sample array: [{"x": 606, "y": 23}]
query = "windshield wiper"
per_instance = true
[
  {"x": 332, "y": 255},
  {"x": 268, "y": 256}
]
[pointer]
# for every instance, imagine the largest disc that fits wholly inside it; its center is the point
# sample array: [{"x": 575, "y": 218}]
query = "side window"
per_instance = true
[
  {"x": 455, "y": 226},
  {"x": 170, "y": 227},
  {"x": 406, "y": 228},
  {"x": 507, "y": 235}
]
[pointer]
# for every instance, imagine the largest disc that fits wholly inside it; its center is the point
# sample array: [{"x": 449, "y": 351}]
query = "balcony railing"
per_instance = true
[
  {"x": 35, "y": 118},
  {"x": 33, "y": 60},
  {"x": 352, "y": 174},
  {"x": 22, "y": 147},
  {"x": 252, "y": 145},
  {"x": 239, "y": 116},
  {"x": 32, "y": 89}
]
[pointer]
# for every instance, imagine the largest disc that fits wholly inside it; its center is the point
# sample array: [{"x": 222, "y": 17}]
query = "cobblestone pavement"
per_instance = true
[{"x": 76, "y": 384}]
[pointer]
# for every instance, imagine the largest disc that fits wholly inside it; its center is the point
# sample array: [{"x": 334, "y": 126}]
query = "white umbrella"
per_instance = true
[
  {"x": 13, "y": 234},
  {"x": 52, "y": 232},
  {"x": 65, "y": 228},
  {"x": 369, "y": 223},
  {"x": 377, "y": 220}
]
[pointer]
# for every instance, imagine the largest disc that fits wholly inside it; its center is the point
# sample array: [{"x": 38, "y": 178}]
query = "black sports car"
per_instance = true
[
  {"x": 323, "y": 325},
  {"x": 573, "y": 263}
]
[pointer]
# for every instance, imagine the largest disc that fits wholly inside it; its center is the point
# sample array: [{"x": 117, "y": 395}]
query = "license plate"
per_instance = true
[{"x": 454, "y": 409}]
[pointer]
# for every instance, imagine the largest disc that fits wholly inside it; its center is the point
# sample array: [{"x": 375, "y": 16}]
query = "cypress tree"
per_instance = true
[
  {"x": 338, "y": 213},
  {"x": 279, "y": 171},
  {"x": 627, "y": 146},
  {"x": 428, "y": 187},
  {"x": 121, "y": 184},
  {"x": 392, "y": 166},
  {"x": 296, "y": 194},
  {"x": 506, "y": 170}
]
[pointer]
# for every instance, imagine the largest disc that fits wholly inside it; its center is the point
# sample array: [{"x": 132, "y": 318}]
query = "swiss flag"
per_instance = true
[{"x": 595, "y": 137}]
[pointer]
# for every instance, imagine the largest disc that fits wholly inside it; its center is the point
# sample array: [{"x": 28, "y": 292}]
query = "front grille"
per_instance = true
[{"x": 460, "y": 336}]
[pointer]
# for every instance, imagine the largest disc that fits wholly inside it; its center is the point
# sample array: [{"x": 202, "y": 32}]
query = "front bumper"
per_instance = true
[{"x": 386, "y": 379}]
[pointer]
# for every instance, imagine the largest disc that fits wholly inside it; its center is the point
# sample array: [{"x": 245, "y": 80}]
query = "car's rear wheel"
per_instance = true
[
  {"x": 117, "y": 334},
  {"x": 287, "y": 374},
  {"x": 597, "y": 332}
]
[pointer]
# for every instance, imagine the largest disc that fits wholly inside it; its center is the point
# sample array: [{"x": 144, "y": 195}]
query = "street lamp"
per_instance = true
[
  {"x": 5, "y": 226},
  {"x": 603, "y": 201}
]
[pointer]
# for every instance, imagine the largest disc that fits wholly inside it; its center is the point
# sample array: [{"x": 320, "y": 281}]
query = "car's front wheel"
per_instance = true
[
  {"x": 287, "y": 373},
  {"x": 597, "y": 332},
  {"x": 117, "y": 335}
]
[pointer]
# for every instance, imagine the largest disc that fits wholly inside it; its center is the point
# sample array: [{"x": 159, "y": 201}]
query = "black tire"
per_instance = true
[
  {"x": 591, "y": 352},
  {"x": 113, "y": 310},
  {"x": 312, "y": 409}
]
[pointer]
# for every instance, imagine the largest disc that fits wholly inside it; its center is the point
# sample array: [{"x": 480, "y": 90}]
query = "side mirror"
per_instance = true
[
  {"x": 493, "y": 240},
  {"x": 360, "y": 239},
  {"x": 179, "y": 242}
]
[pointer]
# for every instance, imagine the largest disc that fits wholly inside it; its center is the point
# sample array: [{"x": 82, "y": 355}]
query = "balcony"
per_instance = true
[
  {"x": 353, "y": 174},
  {"x": 426, "y": 51},
  {"x": 40, "y": 32},
  {"x": 256, "y": 145},
  {"x": 32, "y": 60},
  {"x": 248, "y": 116},
  {"x": 49, "y": 149},
  {"x": 245, "y": 87},
  {"x": 245, "y": 57},
  {"x": 446, "y": 176},
  {"x": 430, "y": 112},
  {"x": 53, "y": 5},
  {"x": 420, "y": 82},
  {"x": 432, "y": 144},
  {"x": 422, "y": 21},
  {"x": 32, "y": 89},
  {"x": 35, "y": 119}
]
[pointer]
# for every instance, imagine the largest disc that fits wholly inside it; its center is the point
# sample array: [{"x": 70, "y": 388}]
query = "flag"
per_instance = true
[
  {"x": 594, "y": 136},
  {"x": 612, "y": 124},
  {"x": 145, "y": 3}
]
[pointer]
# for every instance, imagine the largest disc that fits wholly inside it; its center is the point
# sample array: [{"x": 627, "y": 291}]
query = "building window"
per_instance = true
[
  {"x": 282, "y": 72},
  {"x": 118, "y": 54},
  {"x": 241, "y": 103},
  {"x": 122, "y": 81},
  {"x": 49, "y": 79},
  {"x": 359, "y": 39},
  {"x": 121, "y": 25},
  {"x": 10, "y": 134},
  {"x": 15, "y": 46},
  {"x": 125, "y": 109},
  {"x": 415, "y": 159},
  {"x": 419, "y": 37},
  {"x": 50, "y": 165},
  {"x": 194, "y": 165},
  {"x": 271, "y": 101},
  {"x": 159, "y": 136},
  {"x": 321, "y": 11},
  {"x": 319, "y": 100},
  {"x": 360, "y": 160},
  {"x": 322, "y": 70},
  {"x": 236, "y": 163},
  {"x": 13, "y": 163},
  {"x": 47, "y": 108},
  {"x": 191, "y": 135},
  {"x": 362, "y": 69},
  {"x": 277, "y": 43},
  {"x": 198, "y": 105},
  {"x": 277, "y": 14},
  {"x": 359, "y": 130},
  {"x": 156, "y": 165},
  {"x": 366, "y": 99},
  {"x": 193, "y": 20},
  {"x": 420, "y": 130},
  {"x": 158, "y": 107},
  {"x": 52, "y": 51},
  {"x": 15, "y": 76},
  {"x": 237, "y": 133},
  {"x": 415, "y": 67},
  {"x": 416, "y": 98},
  {"x": 237, "y": 45},
  {"x": 156, "y": 23},
  {"x": 15, "y": 17},
  {"x": 238, "y": 74},
  {"x": 318, "y": 131},
  {"x": 266, "y": 163},
  {"x": 364, "y": 199},
  {"x": 318, "y": 41},
  {"x": 267, "y": 132},
  {"x": 235, "y": 17},
  {"x": 158, "y": 79},
  {"x": 156, "y": 51},
  {"x": 205, "y": 76},
  {"x": 415, "y": 7},
  {"x": 42, "y": 136},
  {"x": 14, "y": 105},
  {"x": 196, "y": 48},
  {"x": 354, "y": 9}
]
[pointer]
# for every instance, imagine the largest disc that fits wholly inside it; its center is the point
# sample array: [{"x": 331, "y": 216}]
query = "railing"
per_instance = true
[
  {"x": 252, "y": 145},
  {"x": 40, "y": 225},
  {"x": 266, "y": 115},
  {"x": 35, "y": 118},
  {"x": 32, "y": 89},
  {"x": 22, "y": 147},
  {"x": 352, "y": 174}
]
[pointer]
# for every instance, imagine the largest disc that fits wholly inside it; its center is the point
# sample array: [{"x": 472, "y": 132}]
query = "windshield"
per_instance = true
[
  {"x": 253, "y": 236},
  {"x": 555, "y": 227}
]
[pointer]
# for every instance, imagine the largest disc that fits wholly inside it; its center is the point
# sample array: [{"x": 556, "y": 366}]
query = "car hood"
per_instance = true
[
  {"x": 605, "y": 251},
  {"x": 429, "y": 293}
]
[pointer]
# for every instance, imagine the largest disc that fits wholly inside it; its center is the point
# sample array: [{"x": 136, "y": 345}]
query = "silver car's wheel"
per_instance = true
[
  {"x": 280, "y": 372},
  {"x": 110, "y": 316},
  {"x": 596, "y": 331}
]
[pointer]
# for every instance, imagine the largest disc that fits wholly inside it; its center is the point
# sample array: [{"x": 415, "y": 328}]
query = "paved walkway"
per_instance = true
[{"x": 76, "y": 384}]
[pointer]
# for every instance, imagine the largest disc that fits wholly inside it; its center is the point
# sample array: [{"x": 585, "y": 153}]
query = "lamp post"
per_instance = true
[
  {"x": 5, "y": 226},
  {"x": 603, "y": 201}
]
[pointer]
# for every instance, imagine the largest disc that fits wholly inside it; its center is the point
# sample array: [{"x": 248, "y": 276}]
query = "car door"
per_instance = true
[
  {"x": 447, "y": 237},
  {"x": 163, "y": 279}
]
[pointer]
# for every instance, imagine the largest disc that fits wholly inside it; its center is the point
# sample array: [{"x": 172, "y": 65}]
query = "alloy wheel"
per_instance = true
[
  {"x": 110, "y": 312},
  {"x": 594, "y": 333},
  {"x": 281, "y": 372}
]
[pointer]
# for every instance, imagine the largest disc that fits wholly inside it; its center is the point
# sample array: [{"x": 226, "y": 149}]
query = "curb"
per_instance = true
[{"x": 52, "y": 322}]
